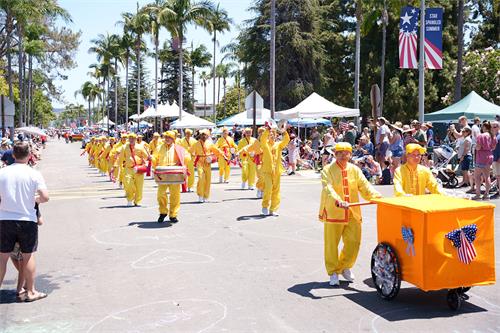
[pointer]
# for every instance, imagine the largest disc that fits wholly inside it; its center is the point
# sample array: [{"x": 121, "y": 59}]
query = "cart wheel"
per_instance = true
[
  {"x": 463, "y": 290},
  {"x": 453, "y": 182},
  {"x": 454, "y": 300},
  {"x": 386, "y": 273}
]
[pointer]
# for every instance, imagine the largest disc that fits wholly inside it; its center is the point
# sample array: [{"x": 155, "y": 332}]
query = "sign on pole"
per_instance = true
[
  {"x": 254, "y": 103},
  {"x": 434, "y": 38}
]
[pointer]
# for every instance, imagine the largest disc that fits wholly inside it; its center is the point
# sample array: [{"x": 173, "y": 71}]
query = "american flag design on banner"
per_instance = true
[
  {"x": 434, "y": 38},
  {"x": 463, "y": 240},
  {"x": 408, "y": 38}
]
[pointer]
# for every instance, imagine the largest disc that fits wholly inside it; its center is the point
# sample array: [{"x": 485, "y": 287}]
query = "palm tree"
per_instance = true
[
  {"x": 176, "y": 15},
  {"x": 234, "y": 52},
  {"x": 224, "y": 71},
  {"x": 126, "y": 45},
  {"x": 219, "y": 22},
  {"x": 136, "y": 25},
  {"x": 154, "y": 11},
  {"x": 85, "y": 92},
  {"x": 198, "y": 58},
  {"x": 204, "y": 77}
]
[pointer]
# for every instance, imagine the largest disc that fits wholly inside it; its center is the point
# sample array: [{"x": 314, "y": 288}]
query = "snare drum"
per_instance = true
[
  {"x": 140, "y": 169},
  {"x": 165, "y": 175}
]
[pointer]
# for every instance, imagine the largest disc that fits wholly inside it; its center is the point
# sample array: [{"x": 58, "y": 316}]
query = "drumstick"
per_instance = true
[{"x": 355, "y": 204}]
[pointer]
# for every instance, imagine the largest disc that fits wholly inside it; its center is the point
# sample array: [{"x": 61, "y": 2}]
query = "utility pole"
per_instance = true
[
  {"x": 358, "y": 52},
  {"x": 272, "y": 69},
  {"x": 421, "y": 64}
]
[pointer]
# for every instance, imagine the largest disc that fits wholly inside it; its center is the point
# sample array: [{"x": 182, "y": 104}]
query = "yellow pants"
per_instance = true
[
  {"x": 190, "y": 167},
  {"x": 351, "y": 237},
  {"x": 271, "y": 196},
  {"x": 248, "y": 172},
  {"x": 133, "y": 184},
  {"x": 174, "y": 192},
  {"x": 224, "y": 168},
  {"x": 121, "y": 176},
  {"x": 204, "y": 181},
  {"x": 260, "y": 179}
]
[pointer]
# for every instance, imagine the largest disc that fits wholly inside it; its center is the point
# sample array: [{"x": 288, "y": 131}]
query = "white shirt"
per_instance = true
[
  {"x": 475, "y": 132},
  {"x": 19, "y": 184},
  {"x": 382, "y": 130}
]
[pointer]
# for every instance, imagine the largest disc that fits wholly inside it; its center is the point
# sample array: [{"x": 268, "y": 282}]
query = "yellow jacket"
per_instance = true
[
  {"x": 126, "y": 159},
  {"x": 155, "y": 143},
  {"x": 200, "y": 151},
  {"x": 244, "y": 142},
  {"x": 188, "y": 145},
  {"x": 225, "y": 144},
  {"x": 271, "y": 153},
  {"x": 407, "y": 181},
  {"x": 169, "y": 156},
  {"x": 343, "y": 185}
]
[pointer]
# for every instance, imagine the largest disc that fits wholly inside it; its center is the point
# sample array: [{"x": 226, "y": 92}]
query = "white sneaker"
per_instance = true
[
  {"x": 251, "y": 188},
  {"x": 130, "y": 204},
  {"x": 200, "y": 199},
  {"x": 190, "y": 190},
  {"x": 274, "y": 213},
  {"x": 243, "y": 185},
  {"x": 334, "y": 280},
  {"x": 221, "y": 180},
  {"x": 265, "y": 211},
  {"x": 348, "y": 275}
]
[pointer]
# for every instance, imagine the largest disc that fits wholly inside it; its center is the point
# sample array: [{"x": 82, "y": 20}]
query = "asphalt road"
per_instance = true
[{"x": 222, "y": 268}]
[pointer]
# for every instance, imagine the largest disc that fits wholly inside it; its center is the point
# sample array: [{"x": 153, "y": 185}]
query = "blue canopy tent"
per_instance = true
[
  {"x": 309, "y": 122},
  {"x": 470, "y": 106}
]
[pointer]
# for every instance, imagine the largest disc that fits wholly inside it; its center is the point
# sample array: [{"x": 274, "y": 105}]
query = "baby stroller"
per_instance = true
[{"x": 443, "y": 156}]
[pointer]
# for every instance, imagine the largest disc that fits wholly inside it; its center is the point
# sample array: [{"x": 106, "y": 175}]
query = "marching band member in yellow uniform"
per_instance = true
[
  {"x": 342, "y": 182},
  {"x": 412, "y": 178},
  {"x": 96, "y": 151},
  {"x": 271, "y": 168},
  {"x": 102, "y": 164},
  {"x": 169, "y": 154},
  {"x": 156, "y": 141},
  {"x": 202, "y": 152},
  {"x": 258, "y": 162},
  {"x": 142, "y": 143},
  {"x": 187, "y": 143},
  {"x": 248, "y": 167},
  {"x": 118, "y": 165},
  {"x": 88, "y": 149},
  {"x": 107, "y": 156},
  {"x": 227, "y": 146},
  {"x": 134, "y": 158}
]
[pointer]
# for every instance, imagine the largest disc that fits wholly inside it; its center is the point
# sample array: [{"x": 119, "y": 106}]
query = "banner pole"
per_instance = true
[{"x": 421, "y": 64}]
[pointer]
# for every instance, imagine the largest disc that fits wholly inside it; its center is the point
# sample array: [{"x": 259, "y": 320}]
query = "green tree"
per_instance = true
[
  {"x": 138, "y": 75},
  {"x": 179, "y": 15},
  {"x": 198, "y": 58},
  {"x": 231, "y": 102}
]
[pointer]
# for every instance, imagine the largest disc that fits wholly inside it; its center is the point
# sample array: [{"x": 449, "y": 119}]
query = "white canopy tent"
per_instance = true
[
  {"x": 31, "y": 130},
  {"x": 316, "y": 106},
  {"x": 163, "y": 111},
  {"x": 104, "y": 122},
  {"x": 134, "y": 116},
  {"x": 241, "y": 119},
  {"x": 191, "y": 121}
]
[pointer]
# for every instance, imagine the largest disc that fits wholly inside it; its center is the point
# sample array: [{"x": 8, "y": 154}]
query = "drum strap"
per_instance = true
[{"x": 133, "y": 155}]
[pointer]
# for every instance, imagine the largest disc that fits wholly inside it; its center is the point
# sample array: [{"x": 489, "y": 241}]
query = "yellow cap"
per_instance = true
[
  {"x": 140, "y": 136},
  {"x": 124, "y": 136},
  {"x": 188, "y": 131},
  {"x": 261, "y": 129},
  {"x": 225, "y": 129},
  {"x": 156, "y": 135},
  {"x": 248, "y": 129},
  {"x": 170, "y": 134},
  {"x": 112, "y": 139},
  {"x": 411, "y": 147},
  {"x": 132, "y": 135},
  {"x": 205, "y": 131},
  {"x": 343, "y": 146}
]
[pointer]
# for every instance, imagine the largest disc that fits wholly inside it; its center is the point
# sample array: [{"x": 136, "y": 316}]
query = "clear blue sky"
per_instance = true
[{"x": 95, "y": 17}]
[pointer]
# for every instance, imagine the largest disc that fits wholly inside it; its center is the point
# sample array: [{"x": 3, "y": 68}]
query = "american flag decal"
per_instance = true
[
  {"x": 408, "y": 38},
  {"x": 463, "y": 240}
]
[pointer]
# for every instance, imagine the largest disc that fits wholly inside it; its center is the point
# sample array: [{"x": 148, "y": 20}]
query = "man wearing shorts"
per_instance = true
[
  {"x": 382, "y": 140},
  {"x": 20, "y": 188}
]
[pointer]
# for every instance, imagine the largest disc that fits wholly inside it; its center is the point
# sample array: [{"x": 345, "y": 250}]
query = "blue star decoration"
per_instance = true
[
  {"x": 469, "y": 232},
  {"x": 409, "y": 239}
]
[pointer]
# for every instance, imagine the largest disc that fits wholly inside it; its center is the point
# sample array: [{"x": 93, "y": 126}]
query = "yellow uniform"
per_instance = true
[
  {"x": 118, "y": 165},
  {"x": 200, "y": 152},
  {"x": 107, "y": 163},
  {"x": 188, "y": 144},
  {"x": 155, "y": 143},
  {"x": 133, "y": 182},
  {"x": 415, "y": 182},
  {"x": 166, "y": 155},
  {"x": 342, "y": 185},
  {"x": 248, "y": 167},
  {"x": 225, "y": 144}
]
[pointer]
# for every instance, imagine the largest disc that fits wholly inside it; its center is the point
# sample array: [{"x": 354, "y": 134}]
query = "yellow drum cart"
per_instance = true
[{"x": 433, "y": 242}]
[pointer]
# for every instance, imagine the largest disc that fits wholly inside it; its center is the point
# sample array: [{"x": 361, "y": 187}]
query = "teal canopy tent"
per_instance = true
[{"x": 470, "y": 106}]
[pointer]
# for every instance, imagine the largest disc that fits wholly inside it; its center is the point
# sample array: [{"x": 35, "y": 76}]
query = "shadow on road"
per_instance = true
[
  {"x": 117, "y": 197},
  {"x": 305, "y": 289},
  {"x": 116, "y": 206},
  {"x": 150, "y": 225},
  {"x": 410, "y": 303},
  {"x": 237, "y": 199},
  {"x": 43, "y": 282},
  {"x": 252, "y": 217}
]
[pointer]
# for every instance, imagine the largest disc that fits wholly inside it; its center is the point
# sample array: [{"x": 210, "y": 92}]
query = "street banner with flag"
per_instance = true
[
  {"x": 434, "y": 38},
  {"x": 408, "y": 37}
]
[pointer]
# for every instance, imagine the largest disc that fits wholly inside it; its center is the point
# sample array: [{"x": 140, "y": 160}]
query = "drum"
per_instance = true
[
  {"x": 140, "y": 169},
  {"x": 165, "y": 175},
  {"x": 211, "y": 159}
]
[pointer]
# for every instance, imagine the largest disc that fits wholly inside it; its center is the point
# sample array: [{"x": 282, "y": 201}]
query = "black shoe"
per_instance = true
[
  {"x": 495, "y": 196},
  {"x": 161, "y": 219},
  {"x": 174, "y": 220}
]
